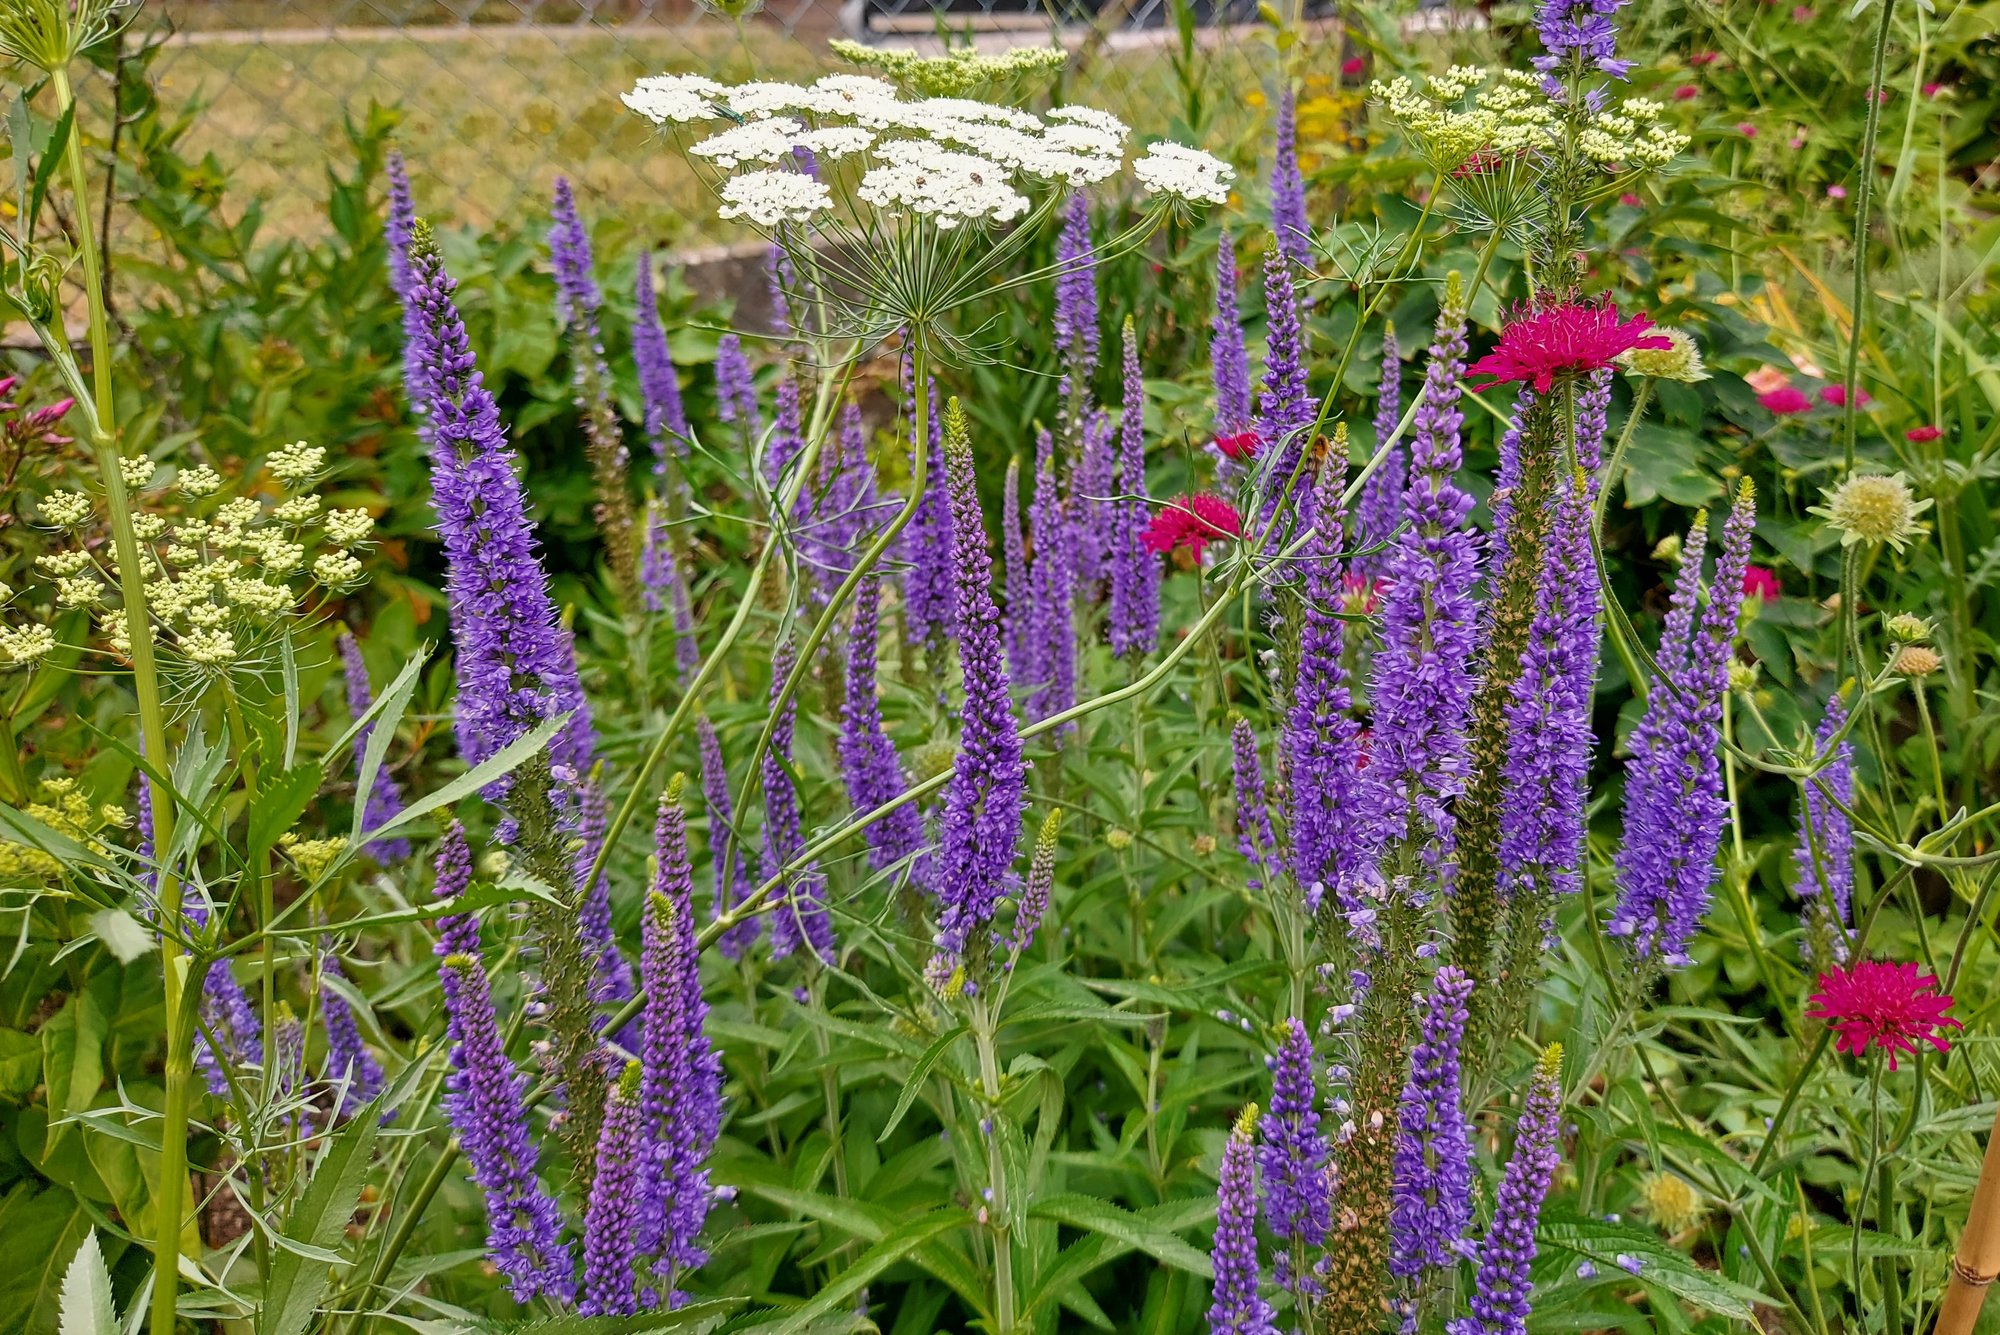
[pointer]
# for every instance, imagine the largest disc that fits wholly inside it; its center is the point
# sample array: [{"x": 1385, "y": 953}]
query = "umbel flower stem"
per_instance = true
[{"x": 169, "y": 1187}]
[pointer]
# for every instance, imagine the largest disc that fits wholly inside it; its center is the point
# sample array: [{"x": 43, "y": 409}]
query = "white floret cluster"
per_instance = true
[
  {"x": 1631, "y": 136},
  {"x": 950, "y": 162},
  {"x": 220, "y": 573},
  {"x": 1469, "y": 115}
]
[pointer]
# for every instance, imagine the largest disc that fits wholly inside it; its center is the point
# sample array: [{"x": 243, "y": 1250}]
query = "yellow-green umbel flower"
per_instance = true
[
  {"x": 1681, "y": 361},
  {"x": 1873, "y": 507}
]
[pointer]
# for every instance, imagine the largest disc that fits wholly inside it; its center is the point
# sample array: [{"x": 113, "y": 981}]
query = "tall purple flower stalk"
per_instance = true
[
  {"x": 1285, "y": 409},
  {"x": 1580, "y": 30},
  {"x": 1823, "y": 861},
  {"x": 1033, "y": 904},
  {"x": 225, "y": 1006},
  {"x": 385, "y": 798},
  {"x": 1380, "y": 506},
  {"x": 1423, "y": 681},
  {"x": 1051, "y": 590},
  {"x": 1238, "y": 1308},
  {"x": 1545, "y": 783},
  {"x": 736, "y": 388},
  {"x": 788, "y": 440},
  {"x": 868, "y": 761},
  {"x": 1014, "y": 565},
  {"x": 1674, "y": 805},
  {"x": 611, "y": 1216},
  {"x": 721, "y": 830},
  {"x": 1135, "y": 572},
  {"x": 845, "y": 508},
  {"x": 1321, "y": 741},
  {"x": 1254, "y": 835},
  {"x": 593, "y": 919},
  {"x": 1297, "y": 1202},
  {"x": 1430, "y": 1199},
  {"x": 578, "y": 299},
  {"x": 1228, "y": 358},
  {"x": 1093, "y": 514},
  {"x": 981, "y": 821},
  {"x": 1501, "y": 1292},
  {"x": 664, "y": 588},
  {"x": 681, "y": 1081},
  {"x": 397, "y": 232},
  {"x": 516, "y": 666},
  {"x": 1288, "y": 187},
  {"x": 484, "y": 1104},
  {"x": 659, "y": 385},
  {"x": 800, "y": 917},
  {"x": 1076, "y": 291},
  {"x": 349, "y": 1063},
  {"x": 929, "y": 596}
]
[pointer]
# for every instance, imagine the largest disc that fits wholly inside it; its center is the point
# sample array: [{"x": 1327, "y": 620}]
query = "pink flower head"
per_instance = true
[
  {"x": 1575, "y": 339},
  {"x": 1802, "y": 14},
  {"x": 1191, "y": 523},
  {"x": 1687, "y": 92},
  {"x": 1785, "y": 401},
  {"x": 1353, "y": 65},
  {"x": 1922, "y": 435},
  {"x": 1766, "y": 378},
  {"x": 1701, "y": 58},
  {"x": 1747, "y": 130},
  {"x": 1630, "y": 200},
  {"x": 1359, "y": 594},
  {"x": 1759, "y": 582},
  {"x": 1837, "y": 396},
  {"x": 1836, "y": 192},
  {"x": 1884, "y": 1006},
  {"x": 1933, "y": 89},
  {"x": 1239, "y": 444}
]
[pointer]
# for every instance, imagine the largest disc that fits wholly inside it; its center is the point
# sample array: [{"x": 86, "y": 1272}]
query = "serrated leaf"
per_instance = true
[
  {"x": 281, "y": 800},
  {"x": 317, "y": 1221},
  {"x": 1095, "y": 1216},
  {"x": 917, "y": 1076},
  {"x": 693, "y": 1316},
  {"x": 85, "y": 1304}
]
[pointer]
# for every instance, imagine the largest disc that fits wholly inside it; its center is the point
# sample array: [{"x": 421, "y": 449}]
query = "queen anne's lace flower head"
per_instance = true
[
  {"x": 767, "y": 198},
  {"x": 1184, "y": 173}
]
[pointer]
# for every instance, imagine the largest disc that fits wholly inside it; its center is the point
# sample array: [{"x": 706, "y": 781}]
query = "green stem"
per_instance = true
[
  {"x": 984, "y": 1030},
  {"x": 1863, "y": 195},
  {"x": 170, "y": 1191},
  {"x": 1610, "y": 477}
]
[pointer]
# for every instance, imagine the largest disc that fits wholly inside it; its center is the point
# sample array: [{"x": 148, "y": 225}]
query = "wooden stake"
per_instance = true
[{"x": 1978, "y": 1261}]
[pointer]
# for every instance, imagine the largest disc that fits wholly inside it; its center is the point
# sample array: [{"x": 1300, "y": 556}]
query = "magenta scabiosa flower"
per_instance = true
[
  {"x": 1537, "y": 347},
  {"x": 1882, "y": 1006},
  {"x": 1135, "y": 576},
  {"x": 1501, "y": 1292},
  {"x": 1297, "y": 1202},
  {"x": 981, "y": 821},
  {"x": 1189, "y": 524},
  {"x": 385, "y": 798},
  {"x": 1237, "y": 1307},
  {"x": 1430, "y": 1200}
]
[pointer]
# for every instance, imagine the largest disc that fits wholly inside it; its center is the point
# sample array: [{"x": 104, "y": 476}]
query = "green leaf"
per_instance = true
[
  {"x": 1095, "y": 1216},
  {"x": 20, "y": 1061},
  {"x": 85, "y": 1302},
  {"x": 280, "y": 802},
  {"x": 499, "y": 764},
  {"x": 918, "y": 1073},
  {"x": 72, "y": 1062},
  {"x": 382, "y": 718},
  {"x": 43, "y": 1229},
  {"x": 894, "y": 1247},
  {"x": 694, "y": 1316},
  {"x": 122, "y": 934},
  {"x": 317, "y": 1221},
  {"x": 1660, "y": 1266}
]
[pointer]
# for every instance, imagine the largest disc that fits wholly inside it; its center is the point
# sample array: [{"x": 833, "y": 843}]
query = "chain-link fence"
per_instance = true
[{"x": 497, "y": 97}]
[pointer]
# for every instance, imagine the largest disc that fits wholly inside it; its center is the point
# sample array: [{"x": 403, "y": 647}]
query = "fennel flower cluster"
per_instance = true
[
  {"x": 956, "y": 72},
  {"x": 1468, "y": 119},
  {"x": 62, "y": 806},
  {"x": 224, "y": 566}
]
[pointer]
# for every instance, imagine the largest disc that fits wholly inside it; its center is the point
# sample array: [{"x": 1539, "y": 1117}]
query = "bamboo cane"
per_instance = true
[{"x": 1978, "y": 1261}]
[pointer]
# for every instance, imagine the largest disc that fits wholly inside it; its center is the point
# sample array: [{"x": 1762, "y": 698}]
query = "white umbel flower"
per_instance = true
[
  {"x": 64, "y": 509},
  {"x": 836, "y": 142},
  {"x": 26, "y": 644},
  {"x": 1184, "y": 173},
  {"x": 676, "y": 99},
  {"x": 943, "y": 187},
  {"x": 767, "y": 198},
  {"x": 769, "y": 140},
  {"x": 1101, "y": 121}
]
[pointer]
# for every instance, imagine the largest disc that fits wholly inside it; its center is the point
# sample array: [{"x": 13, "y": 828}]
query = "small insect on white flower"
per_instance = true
[
  {"x": 1180, "y": 172},
  {"x": 675, "y": 98},
  {"x": 767, "y": 198},
  {"x": 944, "y": 187}
]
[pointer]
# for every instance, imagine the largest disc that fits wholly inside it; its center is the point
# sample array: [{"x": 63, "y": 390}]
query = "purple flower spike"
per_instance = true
[
  {"x": 1034, "y": 901},
  {"x": 868, "y": 760},
  {"x": 1501, "y": 1291},
  {"x": 1297, "y": 1202},
  {"x": 1583, "y": 31},
  {"x": 349, "y": 1063},
  {"x": 397, "y": 231},
  {"x": 1431, "y": 1197},
  {"x": 800, "y": 917},
  {"x": 1135, "y": 572},
  {"x": 929, "y": 606},
  {"x": 1254, "y": 835},
  {"x": 1093, "y": 514},
  {"x": 1076, "y": 291},
  {"x": 1285, "y": 410},
  {"x": 611, "y": 1217},
  {"x": 1674, "y": 805},
  {"x": 1423, "y": 679},
  {"x": 484, "y": 1104},
  {"x": 1226, "y": 353},
  {"x": 1823, "y": 862},
  {"x": 1238, "y": 1308},
  {"x": 721, "y": 823},
  {"x": 981, "y": 823},
  {"x": 1051, "y": 590},
  {"x": 1380, "y": 507},
  {"x": 385, "y": 798},
  {"x": 659, "y": 384},
  {"x": 516, "y": 665},
  {"x": 1321, "y": 741},
  {"x": 1014, "y": 563},
  {"x": 1288, "y": 188},
  {"x": 736, "y": 388}
]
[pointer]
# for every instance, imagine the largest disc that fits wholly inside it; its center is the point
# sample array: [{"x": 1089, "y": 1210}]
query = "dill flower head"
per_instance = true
[
  {"x": 1672, "y": 1204},
  {"x": 1873, "y": 507},
  {"x": 1680, "y": 360}
]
